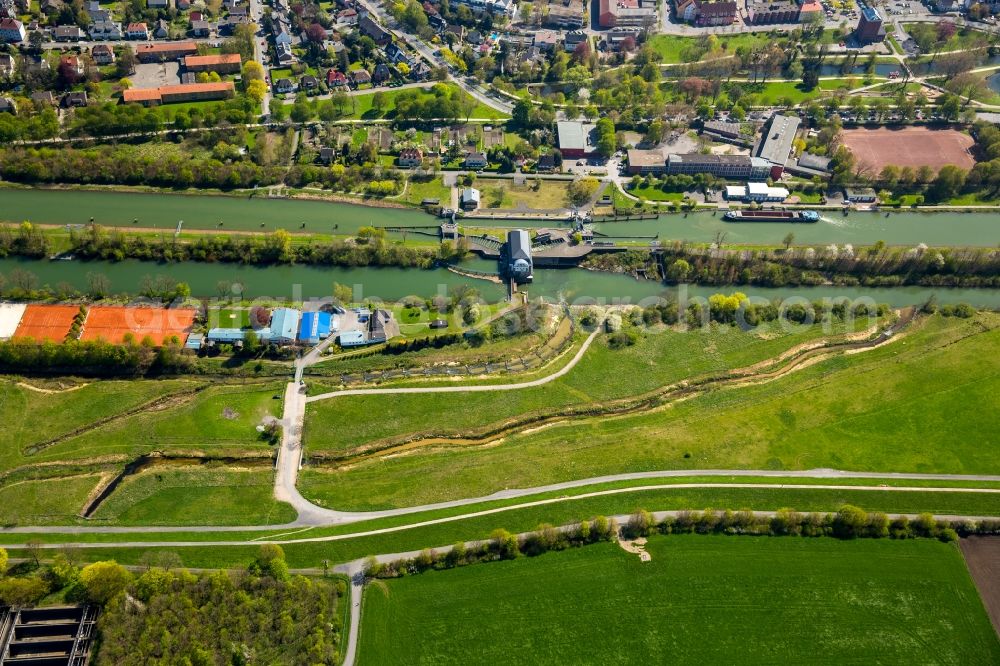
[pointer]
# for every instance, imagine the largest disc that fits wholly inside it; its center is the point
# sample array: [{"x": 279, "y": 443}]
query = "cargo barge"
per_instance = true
[{"x": 771, "y": 216}]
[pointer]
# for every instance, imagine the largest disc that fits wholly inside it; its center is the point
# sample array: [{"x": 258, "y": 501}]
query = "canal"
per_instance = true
[
  {"x": 306, "y": 282},
  {"x": 258, "y": 214}
]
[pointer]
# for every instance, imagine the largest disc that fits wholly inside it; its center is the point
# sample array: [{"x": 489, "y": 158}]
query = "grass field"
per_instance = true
[
  {"x": 655, "y": 194},
  {"x": 418, "y": 189},
  {"x": 102, "y": 424},
  {"x": 603, "y": 374},
  {"x": 699, "y": 600},
  {"x": 220, "y": 420},
  {"x": 195, "y": 496},
  {"x": 360, "y": 106},
  {"x": 871, "y": 411},
  {"x": 45, "y": 501}
]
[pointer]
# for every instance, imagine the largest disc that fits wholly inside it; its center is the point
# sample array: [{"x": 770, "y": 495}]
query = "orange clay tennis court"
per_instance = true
[
  {"x": 46, "y": 322},
  {"x": 909, "y": 146},
  {"x": 111, "y": 323}
]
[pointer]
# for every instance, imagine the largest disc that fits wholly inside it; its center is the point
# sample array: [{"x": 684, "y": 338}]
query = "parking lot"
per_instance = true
[{"x": 154, "y": 75}]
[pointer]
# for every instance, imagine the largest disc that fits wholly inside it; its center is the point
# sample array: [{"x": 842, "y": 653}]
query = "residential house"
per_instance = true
[
  {"x": 282, "y": 35},
  {"x": 51, "y": 7},
  {"x": 469, "y": 199},
  {"x": 158, "y": 4},
  {"x": 103, "y": 54},
  {"x": 436, "y": 21},
  {"x": 546, "y": 40},
  {"x": 309, "y": 83},
  {"x": 546, "y": 163},
  {"x": 240, "y": 12},
  {"x": 419, "y": 71},
  {"x": 457, "y": 30},
  {"x": 106, "y": 31},
  {"x": 195, "y": 92},
  {"x": 67, "y": 33},
  {"x": 162, "y": 30},
  {"x": 574, "y": 39},
  {"x": 410, "y": 158},
  {"x": 474, "y": 37},
  {"x": 335, "y": 79},
  {"x": 34, "y": 64},
  {"x": 283, "y": 54},
  {"x": 11, "y": 30},
  {"x": 284, "y": 86},
  {"x": 326, "y": 155},
  {"x": 7, "y": 105},
  {"x": 200, "y": 28},
  {"x": 71, "y": 63},
  {"x": 360, "y": 76},
  {"x": 97, "y": 15},
  {"x": 137, "y": 31},
  {"x": 347, "y": 17},
  {"x": 398, "y": 55},
  {"x": 377, "y": 33},
  {"x": 8, "y": 65},
  {"x": 475, "y": 160},
  {"x": 183, "y": 5},
  {"x": 227, "y": 25},
  {"x": 195, "y": 16},
  {"x": 75, "y": 99},
  {"x": 381, "y": 73},
  {"x": 43, "y": 97}
]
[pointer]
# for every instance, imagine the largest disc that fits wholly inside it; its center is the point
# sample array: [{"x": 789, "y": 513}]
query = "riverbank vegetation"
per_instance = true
[
  {"x": 687, "y": 585},
  {"x": 842, "y": 265}
]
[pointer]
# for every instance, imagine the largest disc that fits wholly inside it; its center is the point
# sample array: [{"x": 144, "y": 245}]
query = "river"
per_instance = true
[
  {"x": 307, "y": 282},
  {"x": 206, "y": 212}
]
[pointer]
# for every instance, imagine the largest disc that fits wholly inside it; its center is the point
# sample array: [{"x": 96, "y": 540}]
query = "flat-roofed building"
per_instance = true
[
  {"x": 564, "y": 16},
  {"x": 735, "y": 167},
  {"x": 646, "y": 161},
  {"x": 616, "y": 13},
  {"x": 870, "y": 28}
]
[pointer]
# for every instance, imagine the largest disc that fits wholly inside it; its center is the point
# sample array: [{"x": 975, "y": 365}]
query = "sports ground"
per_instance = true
[
  {"x": 909, "y": 146},
  {"x": 113, "y": 323},
  {"x": 46, "y": 322}
]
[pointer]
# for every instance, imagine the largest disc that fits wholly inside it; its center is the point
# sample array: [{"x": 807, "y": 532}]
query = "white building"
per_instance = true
[{"x": 759, "y": 192}]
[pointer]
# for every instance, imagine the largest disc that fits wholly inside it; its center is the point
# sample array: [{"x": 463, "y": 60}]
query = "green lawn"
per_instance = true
[
  {"x": 701, "y": 599},
  {"x": 45, "y": 501},
  {"x": 870, "y": 411},
  {"x": 661, "y": 357},
  {"x": 195, "y": 496},
  {"x": 360, "y": 106},
  {"x": 108, "y": 422},
  {"x": 655, "y": 194},
  {"x": 420, "y": 188}
]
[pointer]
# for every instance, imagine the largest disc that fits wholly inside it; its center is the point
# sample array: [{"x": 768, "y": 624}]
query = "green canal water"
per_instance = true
[
  {"x": 258, "y": 214},
  {"x": 307, "y": 282}
]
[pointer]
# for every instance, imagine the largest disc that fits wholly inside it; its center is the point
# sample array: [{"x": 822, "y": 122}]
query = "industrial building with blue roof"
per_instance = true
[{"x": 315, "y": 326}]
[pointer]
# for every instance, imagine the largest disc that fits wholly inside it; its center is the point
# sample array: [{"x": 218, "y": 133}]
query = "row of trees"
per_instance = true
[
  {"x": 369, "y": 249},
  {"x": 850, "y": 522},
  {"x": 93, "y": 358}
]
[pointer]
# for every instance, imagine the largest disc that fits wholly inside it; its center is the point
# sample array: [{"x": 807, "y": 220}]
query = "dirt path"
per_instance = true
[{"x": 38, "y": 389}]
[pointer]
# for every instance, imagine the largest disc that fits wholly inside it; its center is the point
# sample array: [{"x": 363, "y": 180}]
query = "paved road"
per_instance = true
[{"x": 346, "y": 517}]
